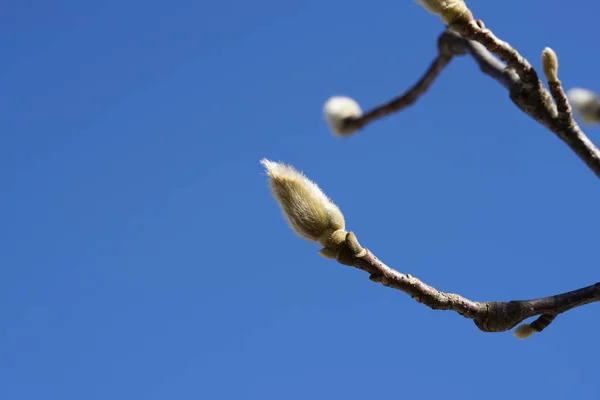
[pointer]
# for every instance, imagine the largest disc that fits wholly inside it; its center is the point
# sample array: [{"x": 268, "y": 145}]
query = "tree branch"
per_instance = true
[
  {"x": 528, "y": 93},
  {"x": 488, "y": 64},
  {"x": 551, "y": 109},
  {"x": 489, "y": 316},
  {"x": 531, "y": 96},
  {"x": 525, "y": 88},
  {"x": 401, "y": 102}
]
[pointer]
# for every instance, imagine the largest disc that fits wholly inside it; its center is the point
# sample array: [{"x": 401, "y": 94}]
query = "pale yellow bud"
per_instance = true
[
  {"x": 524, "y": 331},
  {"x": 310, "y": 213},
  {"x": 586, "y": 104},
  {"x": 550, "y": 65},
  {"x": 337, "y": 111},
  {"x": 452, "y": 12}
]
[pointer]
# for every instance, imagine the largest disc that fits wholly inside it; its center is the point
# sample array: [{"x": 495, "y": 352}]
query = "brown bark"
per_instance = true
[
  {"x": 526, "y": 90},
  {"x": 549, "y": 108},
  {"x": 489, "y": 316}
]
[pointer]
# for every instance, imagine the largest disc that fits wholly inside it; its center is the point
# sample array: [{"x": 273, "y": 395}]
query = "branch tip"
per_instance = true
[{"x": 338, "y": 111}]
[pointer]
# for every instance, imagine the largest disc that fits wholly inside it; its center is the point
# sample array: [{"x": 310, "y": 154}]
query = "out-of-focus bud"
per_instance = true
[
  {"x": 586, "y": 104},
  {"x": 337, "y": 111},
  {"x": 310, "y": 213},
  {"x": 452, "y": 12},
  {"x": 524, "y": 331}
]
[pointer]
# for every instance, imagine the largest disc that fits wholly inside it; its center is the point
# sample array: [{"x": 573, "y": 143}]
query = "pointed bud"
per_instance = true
[
  {"x": 307, "y": 209},
  {"x": 452, "y": 12},
  {"x": 337, "y": 111},
  {"x": 550, "y": 65},
  {"x": 524, "y": 331},
  {"x": 586, "y": 104}
]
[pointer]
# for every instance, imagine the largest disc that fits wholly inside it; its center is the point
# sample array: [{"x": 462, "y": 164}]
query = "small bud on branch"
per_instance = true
[
  {"x": 454, "y": 13},
  {"x": 310, "y": 213},
  {"x": 586, "y": 104},
  {"x": 337, "y": 111},
  {"x": 524, "y": 331},
  {"x": 550, "y": 65}
]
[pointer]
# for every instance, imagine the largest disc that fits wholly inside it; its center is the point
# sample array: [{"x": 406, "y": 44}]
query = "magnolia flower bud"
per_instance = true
[
  {"x": 306, "y": 208},
  {"x": 337, "y": 110},
  {"x": 524, "y": 331},
  {"x": 452, "y": 12},
  {"x": 550, "y": 65},
  {"x": 586, "y": 104}
]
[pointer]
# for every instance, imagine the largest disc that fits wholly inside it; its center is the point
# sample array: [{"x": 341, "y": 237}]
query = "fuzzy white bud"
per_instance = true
[
  {"x": 524, "y": 331},
  {"x": 310, "y": 213},
  {"x": 450, "y": 11},
  {"x": 586, "y": 104},
  {"x": 337, "y": 110}
]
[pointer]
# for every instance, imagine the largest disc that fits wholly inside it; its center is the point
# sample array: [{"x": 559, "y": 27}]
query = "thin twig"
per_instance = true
[
  {"x": 489, "y": 316},
  {"x": 406, "y": 99},
  {"x": 520, "y": 78},
  {"x": 491, "y": 66},
  {"x": 477, "y": 32},
  {"x": 565, "y": 114}
]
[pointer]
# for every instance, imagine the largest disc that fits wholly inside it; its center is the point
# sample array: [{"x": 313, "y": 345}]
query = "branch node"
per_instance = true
[
  {"x": 350, "y": 250},
  {"x": 500, "y": 316}
]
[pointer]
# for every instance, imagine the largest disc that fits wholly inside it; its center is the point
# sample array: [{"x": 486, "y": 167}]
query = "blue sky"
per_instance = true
[{"x": 143, "y": 257}]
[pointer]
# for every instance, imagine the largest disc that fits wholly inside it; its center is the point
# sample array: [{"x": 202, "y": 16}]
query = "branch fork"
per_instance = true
[{"x": 551, "y": 108}]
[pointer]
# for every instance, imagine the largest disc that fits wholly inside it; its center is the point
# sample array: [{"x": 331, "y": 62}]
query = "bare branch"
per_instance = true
[
  {"x": 406, "y": 99},
  {"x": 532, "y": 97},
  {"x": 528, "y": 93},
  {"x": 520, "y": 78},
  {"x": 489, "y": 65},
  {"x": 476, "y": 31},
  {"x": 489, "y": 316},
  {"x": 565, "y": 114},
  {"x": 450, "y": 44}
]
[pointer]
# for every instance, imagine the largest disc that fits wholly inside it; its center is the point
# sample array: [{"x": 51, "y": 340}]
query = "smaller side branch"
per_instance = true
[
  {"x": 406, "y": 99},
  {"x": 542, "y": 322},
  {"x": 450, "y": 44},
  {"x": 476, "y": 31},
  {"x": 491, "y": 66}
]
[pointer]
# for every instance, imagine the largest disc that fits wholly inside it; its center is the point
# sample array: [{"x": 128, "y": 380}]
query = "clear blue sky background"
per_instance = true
[{"x": 143, "y": 257}]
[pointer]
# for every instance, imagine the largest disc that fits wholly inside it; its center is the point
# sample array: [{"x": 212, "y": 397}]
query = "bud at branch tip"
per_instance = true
[
  {"x": 452, "y": 12},
  {"x": 337, "y": 110},
  {"x": 586, "y": 104},
  {"x": 550, "y": 65},
  {"x": 524, "y": 331},
  {"x": 309, "y": 212}
]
